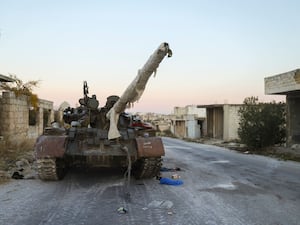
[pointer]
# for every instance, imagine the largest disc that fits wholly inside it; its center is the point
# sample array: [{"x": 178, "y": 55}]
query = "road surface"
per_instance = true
[{"x": 220, "y": 187}]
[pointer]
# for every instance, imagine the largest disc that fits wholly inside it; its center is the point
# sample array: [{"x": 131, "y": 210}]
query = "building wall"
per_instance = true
[
  {"x": 163, "y": 126},
  {"x": 198, "y": 112},
  {"x": 231, "y": 122},
  {"x": 192, "y": 127},
  {"x": 179, "y": 128},
  {"x": 179, "y": 111},
  {"x": 13, "y": 126},
  {"x": 293, "y": 118},
  {"x": 14, "y": 117},
  {"x": 193, "y": 117},
  {"x": 215, "y": 120}
]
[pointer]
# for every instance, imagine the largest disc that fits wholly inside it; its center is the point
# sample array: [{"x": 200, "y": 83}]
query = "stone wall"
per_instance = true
[{"x": 14, "y": 116}]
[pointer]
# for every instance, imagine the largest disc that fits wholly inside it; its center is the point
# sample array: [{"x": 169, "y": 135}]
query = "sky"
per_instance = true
[{"x": 222, "y": 50}]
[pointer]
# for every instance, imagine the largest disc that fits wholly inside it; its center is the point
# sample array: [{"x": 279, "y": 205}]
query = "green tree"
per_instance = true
[
  {"x": 21, "y": 88},
  {"x": 261, "y": 124}
]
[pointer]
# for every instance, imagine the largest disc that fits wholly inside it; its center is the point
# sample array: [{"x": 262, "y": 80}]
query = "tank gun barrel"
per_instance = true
[{"x": 135, "y": 90}]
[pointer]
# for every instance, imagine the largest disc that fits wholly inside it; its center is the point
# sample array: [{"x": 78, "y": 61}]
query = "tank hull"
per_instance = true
[{"x": 56, "y": 153}]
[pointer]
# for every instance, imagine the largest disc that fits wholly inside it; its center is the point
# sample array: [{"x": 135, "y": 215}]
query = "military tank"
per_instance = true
[{"x": 105, "y": 136}]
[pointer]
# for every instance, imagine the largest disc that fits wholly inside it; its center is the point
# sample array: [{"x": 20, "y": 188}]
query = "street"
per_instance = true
[{"x": 220, "y": 186}]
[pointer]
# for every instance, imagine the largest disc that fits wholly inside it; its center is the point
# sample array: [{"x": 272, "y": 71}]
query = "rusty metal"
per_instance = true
[
  {"x": 50, "y": 146},
  {"x": 150, "y": 147}
]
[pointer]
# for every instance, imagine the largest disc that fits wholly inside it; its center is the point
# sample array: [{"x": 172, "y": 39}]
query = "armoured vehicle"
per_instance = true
[{"x": 104, "y": 136}]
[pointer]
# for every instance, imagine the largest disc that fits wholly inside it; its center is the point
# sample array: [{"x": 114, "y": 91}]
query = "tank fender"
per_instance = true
[
  {"x": 150, "y": 147},
  {"x": 50, "y": 146}
]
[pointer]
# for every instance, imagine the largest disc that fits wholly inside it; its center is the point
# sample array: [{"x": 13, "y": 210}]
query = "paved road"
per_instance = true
[{"x": 220, "y": 187}]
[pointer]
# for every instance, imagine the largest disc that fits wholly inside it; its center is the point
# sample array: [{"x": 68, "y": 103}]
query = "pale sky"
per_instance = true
[{"x": 222, "y": 50}]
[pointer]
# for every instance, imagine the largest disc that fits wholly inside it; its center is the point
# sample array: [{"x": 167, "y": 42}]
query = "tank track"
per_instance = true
[
  {"x": 147, "y": 168},
  {"x": 50, "y": 169}
]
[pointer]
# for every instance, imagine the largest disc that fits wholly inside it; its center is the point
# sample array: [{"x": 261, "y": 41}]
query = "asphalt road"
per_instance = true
[{"x": 220, "y": 187}]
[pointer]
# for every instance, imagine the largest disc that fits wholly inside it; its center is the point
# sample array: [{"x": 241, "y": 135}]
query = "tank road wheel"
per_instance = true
[
  {"x": 147, "y": 167},
  {"x": 51, "y": 168}
]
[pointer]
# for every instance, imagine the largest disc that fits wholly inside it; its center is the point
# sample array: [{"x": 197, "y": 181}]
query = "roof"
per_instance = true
[
  {"x": 283, "y": 83},
  {"x": 217, "y": 105},
  {"x": 5, "y": 79}
]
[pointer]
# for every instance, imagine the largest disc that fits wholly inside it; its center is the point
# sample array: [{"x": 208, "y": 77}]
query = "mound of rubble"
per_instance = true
[{"x": 24, "y": 167}]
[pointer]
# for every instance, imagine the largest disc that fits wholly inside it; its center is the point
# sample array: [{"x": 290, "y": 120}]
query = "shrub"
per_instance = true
[
  {"x": 21, "y": 88},
  {"x": 261, "y": 124}
]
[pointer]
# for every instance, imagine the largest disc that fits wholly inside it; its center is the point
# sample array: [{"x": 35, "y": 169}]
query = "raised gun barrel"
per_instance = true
[{"x": 135, "y": 90}]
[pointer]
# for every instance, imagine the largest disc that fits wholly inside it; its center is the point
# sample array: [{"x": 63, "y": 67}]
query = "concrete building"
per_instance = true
[
  {"x": 5, "y": 78},
  {"x": 288, "y": 84},
  {"x": 222, "y": 121},
  {"x": 188, "y": 122},
  {"x": 19, "y": 122}
]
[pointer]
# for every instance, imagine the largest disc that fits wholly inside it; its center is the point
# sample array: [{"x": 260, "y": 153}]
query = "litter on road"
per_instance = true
[
  {"x": 169, "y": 181},
  {"x": 165, "y": 169},
  {"x": 122, "y": 210}
]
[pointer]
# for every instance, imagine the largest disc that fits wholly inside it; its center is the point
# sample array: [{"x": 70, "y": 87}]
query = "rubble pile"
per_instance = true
[{"x": 24, "y": 167}]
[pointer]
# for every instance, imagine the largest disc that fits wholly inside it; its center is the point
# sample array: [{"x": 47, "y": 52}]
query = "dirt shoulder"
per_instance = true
[{"x": 279, "y": 152}]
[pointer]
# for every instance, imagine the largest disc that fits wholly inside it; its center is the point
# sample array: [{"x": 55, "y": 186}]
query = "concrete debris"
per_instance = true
[
  {"x": 175, "y": 176},
  {"x": 122, "y": 210},
  {"x": 23, "y": 170}
]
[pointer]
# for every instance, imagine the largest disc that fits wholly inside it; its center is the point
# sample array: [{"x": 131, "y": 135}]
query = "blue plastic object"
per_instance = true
[{"x": 168, "y": 181}]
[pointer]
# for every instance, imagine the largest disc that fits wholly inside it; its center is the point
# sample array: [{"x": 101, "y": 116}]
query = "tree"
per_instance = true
[
  {"x": 21, "y": 88},
  {"x": 261, "y": 124}
]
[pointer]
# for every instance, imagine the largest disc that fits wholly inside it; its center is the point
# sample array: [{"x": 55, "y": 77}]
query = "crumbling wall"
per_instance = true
[{"x": 15, "y": 128}]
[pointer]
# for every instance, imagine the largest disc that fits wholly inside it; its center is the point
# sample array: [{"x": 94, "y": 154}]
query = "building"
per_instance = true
[
  {"x": 19, "y": 122},
  {"x": 222, "y": 121},
  {"x": 288, "y": 84},
  {"x": 188, "y": 122},
  {"x": 5, "y": 78}
]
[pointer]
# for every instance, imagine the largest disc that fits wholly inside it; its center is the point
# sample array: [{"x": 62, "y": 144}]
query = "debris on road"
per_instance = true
[
  {"x": 23, "y": 170},
  {"x": 169, "y": 181},
  {"x": 165, "y": 169},
  {"x": 175, "y": 176},
  {"x": 122, "y": 210}
]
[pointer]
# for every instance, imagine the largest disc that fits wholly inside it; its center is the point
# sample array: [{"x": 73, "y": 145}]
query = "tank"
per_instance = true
[{"x": 106, "y": 136}]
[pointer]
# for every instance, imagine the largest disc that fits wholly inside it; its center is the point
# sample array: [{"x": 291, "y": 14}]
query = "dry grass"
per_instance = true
[{"x": 282, "y": 153}]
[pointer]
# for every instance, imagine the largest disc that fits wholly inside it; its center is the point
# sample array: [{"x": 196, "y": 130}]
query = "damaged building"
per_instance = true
[
  {"x": 20, "y": 123},
  {"x": 288, "y": 84}
]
